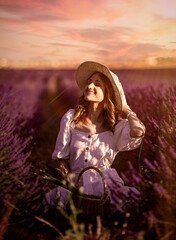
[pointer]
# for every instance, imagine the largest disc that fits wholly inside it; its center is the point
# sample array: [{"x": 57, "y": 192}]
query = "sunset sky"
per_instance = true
[{"x": 64, "y": 33}]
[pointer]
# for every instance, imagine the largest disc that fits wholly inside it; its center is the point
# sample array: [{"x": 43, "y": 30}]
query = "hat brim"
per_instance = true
[{"x": 86, "y": 69}]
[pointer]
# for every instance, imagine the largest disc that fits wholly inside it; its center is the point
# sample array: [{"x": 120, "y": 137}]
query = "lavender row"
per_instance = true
[
  {"x": 19, "y": 105},
  {"x": 155, "y": 172}
]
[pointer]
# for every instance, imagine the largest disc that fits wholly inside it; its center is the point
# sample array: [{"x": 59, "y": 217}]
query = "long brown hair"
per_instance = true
[{"x": 110, "y": 113}]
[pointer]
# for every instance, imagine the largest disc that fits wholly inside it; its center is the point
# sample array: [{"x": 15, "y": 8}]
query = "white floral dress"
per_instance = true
[{"x": 99, "y": 150}]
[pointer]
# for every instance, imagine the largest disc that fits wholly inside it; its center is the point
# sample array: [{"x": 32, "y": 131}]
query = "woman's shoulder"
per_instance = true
[
  {"x": 66, "y": 120},
  {"x": 70, "y": 113}
]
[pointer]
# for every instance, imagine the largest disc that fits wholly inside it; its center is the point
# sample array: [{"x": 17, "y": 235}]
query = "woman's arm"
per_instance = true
[{"x": 137, "y": 128}]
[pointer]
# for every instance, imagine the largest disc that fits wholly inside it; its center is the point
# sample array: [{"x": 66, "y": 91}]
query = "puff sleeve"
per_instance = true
[
  {"x": 122, "y": 139},
  {"x": 62, "y": 147}
]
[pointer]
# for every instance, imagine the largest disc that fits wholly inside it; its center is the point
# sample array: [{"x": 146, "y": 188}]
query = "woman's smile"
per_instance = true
[{"x": 89, "y": 91}]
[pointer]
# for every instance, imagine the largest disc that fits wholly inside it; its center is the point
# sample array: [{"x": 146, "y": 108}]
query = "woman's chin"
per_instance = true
[{"x": 89, "y": 98}]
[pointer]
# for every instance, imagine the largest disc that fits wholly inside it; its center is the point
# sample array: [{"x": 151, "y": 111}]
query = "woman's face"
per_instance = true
[{"x": 95, "y": 89}]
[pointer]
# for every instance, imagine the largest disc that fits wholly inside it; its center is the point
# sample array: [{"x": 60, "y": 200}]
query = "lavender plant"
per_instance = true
[
  {"x": 154, "y": 215},
  {"x": 20, "y": 188}
]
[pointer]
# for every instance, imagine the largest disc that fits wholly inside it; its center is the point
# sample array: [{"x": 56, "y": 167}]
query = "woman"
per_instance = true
[{"x": 94, "y": 132}]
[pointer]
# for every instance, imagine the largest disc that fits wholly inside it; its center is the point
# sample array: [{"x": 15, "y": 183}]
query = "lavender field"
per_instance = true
[{"x": 32, "y": 103}]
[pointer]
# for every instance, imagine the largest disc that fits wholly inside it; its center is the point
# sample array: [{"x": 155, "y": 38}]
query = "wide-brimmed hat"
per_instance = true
[{"x": 86, "y": 69}]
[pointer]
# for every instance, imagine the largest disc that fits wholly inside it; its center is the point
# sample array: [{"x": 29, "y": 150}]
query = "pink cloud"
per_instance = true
[
  {"x": 99, "y": 35},
  {"x": 78, "y": 10},
  {"x": 10, "y": 21},
  {"x": 31, "y": 26},
  {"x": 20, "y": 6}
]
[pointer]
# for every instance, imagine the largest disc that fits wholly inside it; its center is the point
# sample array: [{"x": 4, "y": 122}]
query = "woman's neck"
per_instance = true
[{"x": 94, "y": 112}]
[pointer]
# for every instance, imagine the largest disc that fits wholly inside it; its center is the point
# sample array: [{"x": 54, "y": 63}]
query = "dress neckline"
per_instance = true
[{"x": 88, "y": 133}]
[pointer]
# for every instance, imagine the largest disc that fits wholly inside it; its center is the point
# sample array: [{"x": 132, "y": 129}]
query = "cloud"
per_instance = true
[
  {"x": 93, "y": 35},
  {"x": 164, "y": 9},
  {"x": 98, "y": 35},
  {"x": 103, "y": 42},
  {"x": 31, "y": 14},
  {"x": 38, "y": 24},
  {"x": 23, "y": 7},
  {"x": 123, "y": 51},
  {"x": 7, "y": 21},
  {"x": 142, "y": 49},
  {"x": 43, "y": 17},
  {"x": 36, "y": 46},
  {"x": 67, "y": 45},
  {"x": 166, "y": 60},
  {"x": 136, "y": 52},
  {"x": 77, "y": 10},
  {"x": 64, "y": 45},
  {"x": 86, "y": 10}
]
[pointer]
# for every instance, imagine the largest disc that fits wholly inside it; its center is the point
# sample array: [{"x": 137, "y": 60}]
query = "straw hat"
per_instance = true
[{"x": 86, "y": 69}]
